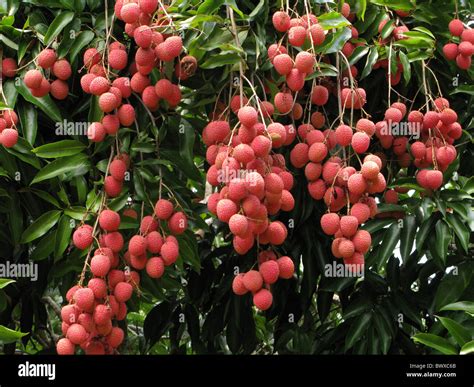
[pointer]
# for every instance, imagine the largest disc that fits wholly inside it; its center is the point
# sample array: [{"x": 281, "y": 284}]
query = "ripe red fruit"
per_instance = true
[
  {"x": 107, "y": 102},
  {"x": 155, "y": 267},
  {"x": 118, "y": 59},
  {"x": 253, "y": 281},
  {"x": 284, "y": 102},
  {"x": 137, "y": 245},
  {"x": 62, "y": 69},
  {"x": 361, "y": 211},
  {"x": 8, "y": 137},
  {"x": 463, "y": 62},
  {"x": 65, "y": 347},
  {"x": 343, "y": 135},
  {"x": 82, "y": 237},
  {"x": 456, "y": 27},
  {"x": 163, "y": 209},
  {"x": 96, "y": 132},
  {"x": 112, "y": 187},
  {"x": 109, "y": 220},
  {"x": 117, "y": 169},
  {"x": 450, "y": 51},
  {"x": 91, "y": 57},
  {"x": 9, "y": 68},
  {"x": 130, "y": 13},
  {"x": 330, "y": 223},
  {"x": 123, "y": 291},
  {"x": 99, "y": 85},
  {"x": 297, "y": 36},
  {"x": 281, "y": 21},
  {"x": 466, "y": 48},
  {"x": 248, "y": 116},
  {"x": 295, "y": 80},
  {"x": 98, "y": 287},
  {"x": 225, "y": 209},
  {"x": 169, "y": 252},
  {"x": 304, "y": 62},
  {"x": 84, "y": 299},
  {"x": 59, "y": 89},
  {"x": 360, "y": 142},
  {"x": 46, "y": 58},
  {"x": 100, "y": 265},
  {"x": 362, "y": 241},
  {"x": 76, "y": 334},
  {"x": 178, "y": 223},
  {"x": 286, "y": 267},
  {"x": 370, "y": 169},
  {"x": 349, "y": 225},
  {"x": 270, "y": 271},
  {"x": 468, "y": 35},
  {"x": 319, "y": 95},
  {"x": 33, "y": 79},
  {"x": 283, "y": 64},
  {"x": 126, "y": 114},
  {"x": 434, "y": 179},
  {"x": 263, "y": 299},
  {"x": 238, "y": 286},
  {"x": 317, "y": 35},
  {"x": 238, "y": 224}
]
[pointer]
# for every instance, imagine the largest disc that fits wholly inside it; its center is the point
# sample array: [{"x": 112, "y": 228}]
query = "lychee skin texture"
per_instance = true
[
  {"x": 126, "y": 114},
  {"x": 238, "y": 286},
  {"x": 253, "y": 281},
  {"x": 178, "y": 223},
  {"x": 82, "y": 237},
  {"x": 137, "y": 245},
  {"x": 330, "y": 223},
  {"x": 65, "y": 347},
  {"x": 59, "y": 89},
  {"x": 112, "y": 187},
  {"x": 238, "y": 224},
  {"x": 362, "y": 241},
  {"x": 33, "y": 79},
  {"x": 123, "y": 291},
  {"x": 360, "y": 142},
  {"x": 456, "y": 27},
  {"x": 84, "y": 298},
  {"x": 107, "y": 102},
  {"x": 8, "y": 138},
  {"x": 434, "y": 179},
  {"x": 46, "y": 58},
  {"x": 100, "y": 265},
  {"x": 270, "y": 271},
  {"x": 155, "y": 267},
  {"x": 343, "y": 135},
  {"x": 109, "y": 220},
  {"x": 450, "y": 51},
  {"x": 346, "y": 248},
  {"x": 163, "y": 209},
  {"x": 98, "y": 287},
  {"x": 283, "y": 64},
  {"x": 263, "y": 299},
  {"x": 349, "y": 225},
  {"x": 117, "y": 169},
  {"x": 225, "y": 209},
  {"x": 286, "y": 267},
  {"x": 281, "y": 21},
  {"x": 76, "y": 334},
  {"x": 248, "y": 116},
  {"x": 169, "y": 253},
  {"x": 62, "y": 69}
]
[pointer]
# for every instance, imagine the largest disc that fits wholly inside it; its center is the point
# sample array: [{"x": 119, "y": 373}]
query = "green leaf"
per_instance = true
[
  {"x": 58, "y": 24},
  {"x": 356, "y": 330},
  {"x": 82, "y": 40},
  {"x": 40, "y": 226},
  {"x": 335, "y": 41},
  {"x": 358, "y": 54},
  {"x": 402, "y": 5},
  {"x": 46, "y": 104},
  {"x": 459, "y": 333},
  {"x": 406, "y": 66},
  {"x": 5, "y": 282},
  {"x": 466, "y": 306},
  {"x": 63, "y": 236},
  {"x": 467, "y": 348},
  {"x": 208, "y": 7},
  {"x": 440, "y": 344},
  {"x": 220, "y": 60},
  {"x": 60, "y": 166},
  {"x": 59, "y": 149},
  {"x": 387, "y": 29},
  {"x": 44, "y": 247},
  {"x": 369, "y": 64},
  {"x": 332, "y": 20},
  {"x": 8, "y": 335},
  {"x": 460, "y": 229},
  {"x": 443, "y": 237},
  {"x": 407, "y": 236},
  {"x": 423, "y": 232},
  {"x": 388, "y": 244},
  {"x": 29, "y": 121}
]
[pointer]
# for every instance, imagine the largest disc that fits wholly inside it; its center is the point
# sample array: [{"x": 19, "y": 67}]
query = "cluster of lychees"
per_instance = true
[
  {"x": 8, "y": 132},
  {"x": 8, "y": 117},
  {"x": 88, "y": 319},
  {"x": 253, "y": 183},
  {"x": 39, "y": 84},
  {"x": 462, "y": 51},
  {"x": 153, "y": 48}
]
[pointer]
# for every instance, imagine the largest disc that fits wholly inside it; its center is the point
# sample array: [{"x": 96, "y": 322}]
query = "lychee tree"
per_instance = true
[{"x": 208, "y": 176}]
